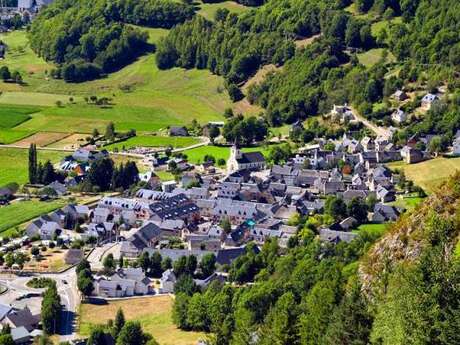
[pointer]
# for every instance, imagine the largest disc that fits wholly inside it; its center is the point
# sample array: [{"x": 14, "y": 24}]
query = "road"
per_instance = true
[
  {"x": 66, "y": 283},
  {"x": 379, "y": 131}
]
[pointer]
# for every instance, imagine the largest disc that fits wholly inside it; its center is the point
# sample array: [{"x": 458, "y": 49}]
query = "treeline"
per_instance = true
[{"x": 90, "y": 38}]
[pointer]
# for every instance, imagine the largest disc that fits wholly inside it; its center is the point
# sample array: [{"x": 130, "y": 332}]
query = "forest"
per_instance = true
[
  {"x": 328, "y": 71},
  {"x": 92, "y": 38},
  {"x": 369, "y": 291}
]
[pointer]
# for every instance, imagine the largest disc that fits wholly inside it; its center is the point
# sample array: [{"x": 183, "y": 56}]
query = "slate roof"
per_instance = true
[{"x": 251, "y": 157}]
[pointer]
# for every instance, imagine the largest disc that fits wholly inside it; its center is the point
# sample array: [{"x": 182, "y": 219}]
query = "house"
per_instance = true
[
  {"x": 384, "y": 194},
  {"x": 167, "y": 281},
  {"x": 411, "y": 155},
  {"x": 168, "y": 186},
  {"x": 335, "y": 236},
  {"x": 348, "y": 223},
  {"x": 20, "y": 335},
  {"x": 125, "y": 282},
  {"x": 428, "y": 100},
  {"x": 178, "y": 131},
  {"x": 85, "y": 155},
  {"x": 58, "y": 187},
  {"x": 21, "y": 318},
  {"x": 399, "y": 96},
  {"x": 456, "y": 147},
  {"x": 296, "y": 127},
  {"x": 342, "y": 113},
  {"x": 399, "y": 116},
  {"x": 151, "y": 179},
  {"x": 44, "y": 226},
  {"x": 385, "y": 213}
]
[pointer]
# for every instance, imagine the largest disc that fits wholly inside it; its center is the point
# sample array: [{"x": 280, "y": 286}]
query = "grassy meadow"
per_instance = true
[
  {"x": 208, "y": 10},
  {"x": 144, "y": 98},
  {"x": 154, "y": 314},
  {"x": 153, "y": 141},
  {"x": 429, "y": 174},
  {"x": 20, "y": 212},
  {"x": 14, "y": 163}
]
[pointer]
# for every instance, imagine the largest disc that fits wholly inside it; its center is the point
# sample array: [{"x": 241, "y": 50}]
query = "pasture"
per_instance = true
[
  {"x": 153, "y": 141},
  {"x": 14, "y": 163},
  {"x": 154, "y": 314},
  {"x": 429, "y": 174},
  {"x": 20, "y": 212},
  {"x": 142, "y": 96}
]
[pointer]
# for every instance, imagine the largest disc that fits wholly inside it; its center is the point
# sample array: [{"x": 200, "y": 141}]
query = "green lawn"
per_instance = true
[
  {"x": 164, "y": 175},
  {"x": 431, "y": 173},
  {"x": 372, "y": 56},
  {"x": 22, "y": 211},
  {"x": 208, "y": 10},
  {"x": 14, "y": 163},
  {"x": 196, "y": 155},
  {"x": 153, "y": 141}
]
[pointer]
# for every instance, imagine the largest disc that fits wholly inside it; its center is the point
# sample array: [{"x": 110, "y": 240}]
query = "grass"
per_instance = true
[
  {"x": 408, "y": 203},
  {"x": 164, "y": 175},
  {"x": 429, "y": 174},
  {"x": 20, "y": 212},
  {"x": 372, "y": 56},
  {"x": 144, "y": 97},
  {"x": 196, "y": 155},
  {"x": 208, "y": 10},
  {"x": 13, "y": 115},
  {"x": 8, "y": 136},
  {"x": 153, "y": 141},
  {"x": 14, "y": 163},
  {"x": 377, "y": 27},
  {"x": 374, "y": 229},
  {"x": 154, "y": 314}
]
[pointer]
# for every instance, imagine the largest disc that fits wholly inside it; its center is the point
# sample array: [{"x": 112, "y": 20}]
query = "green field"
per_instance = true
[
  {"x": 13, "y": 163},
  {"x": 13, "y": 115},
  {"x": 143, "y": 97},
  {"x": 208, "y": 10},
  {"x": 8, "y": 136},
  {"x": 431, "y": 173},
  {"x": 196, "y": 155},
  {"x": 384, "y": 24},
  {"x": 22, "y": 211},
  {"x": 408, "y": 203},
  {"x": 372, "y": 56},
  {"x": 153, "y": 141}
]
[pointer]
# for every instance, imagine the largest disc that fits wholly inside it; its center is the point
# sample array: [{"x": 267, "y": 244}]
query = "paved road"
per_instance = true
[{"x": 67, "y": 288}]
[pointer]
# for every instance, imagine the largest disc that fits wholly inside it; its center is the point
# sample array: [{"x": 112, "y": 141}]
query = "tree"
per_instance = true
[
  {"x": 335, "y": 207},
  {"x": 6, "y": 339},
  {"x": 51, "y": 310},
  {"x": 226, "y": 225},
  {"x": 5, "y": 74},
  {"x": 97, "y": 336},
  {"x": 33, "y": 167},
  {"x": 180, "y": 310},
  {"x": 208, "y": 264},
  {"x": 155, "y": 265},
  {"x": 213, "y": 133},
  {"x": 185, "y": 284},
  {"x": 166, "y": 264},
  {"x": 119, "y": 322},
  {"x": 132, "y": 334},
  {"x": 83, "y": 265},
  {"x": 85, "y": 282},
  {"x": 109, "y": 262},
  {"x": 358, "y": 210},
  {"x": 110, "y": 132},
  {"x": 100, "y": 173}
]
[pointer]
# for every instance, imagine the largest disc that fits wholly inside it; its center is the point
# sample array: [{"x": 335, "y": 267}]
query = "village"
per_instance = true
[{"x": 207, "y": 217}]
